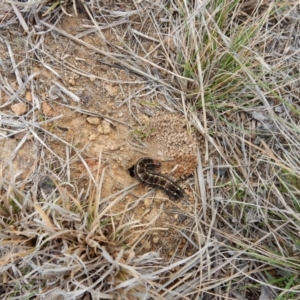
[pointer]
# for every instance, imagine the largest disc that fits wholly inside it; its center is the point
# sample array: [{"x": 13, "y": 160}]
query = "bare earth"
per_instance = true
[{"x": 118, "y": 125}]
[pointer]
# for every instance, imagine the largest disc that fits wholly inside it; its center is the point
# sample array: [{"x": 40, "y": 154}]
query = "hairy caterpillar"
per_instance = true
[{"x": 143, "y": 171}]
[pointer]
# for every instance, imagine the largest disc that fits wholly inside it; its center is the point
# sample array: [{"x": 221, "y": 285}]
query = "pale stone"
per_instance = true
[
  {"x": 28, "y": 96},
  {"x": 112, "y": 90},
  {"x": 100, "y": 129},
  {"x": 93, "y": 120},
  {"x": 106, "y": 127},
  {"x": 93, "y": 137},
  {"x": 19, "y": 109},
  {"x": 72, "y": 81},
  {"x": 47, "y": 110},
  {"x": 155, "y": 239},
  {"x": 144, "y": 119}
]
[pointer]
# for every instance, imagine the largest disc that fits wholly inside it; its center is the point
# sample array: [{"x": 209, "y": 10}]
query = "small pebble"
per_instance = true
[
  {"x": 155, "y": 239},
  {"x": 144, "y": 119},
  {"x": 100, "y": 129},
  {"x": 92, "y": 137},
  {"x": 72, "y": 81},
  {"x": 28, "y": 96},
  {"x": 93, "y": 120},
  {"x": 106, "y": 127},
  {"x": 19, "y": 109}
]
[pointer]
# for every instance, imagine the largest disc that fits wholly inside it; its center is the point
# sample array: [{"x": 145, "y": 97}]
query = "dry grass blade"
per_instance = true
[{"x": 113, "y": 58}]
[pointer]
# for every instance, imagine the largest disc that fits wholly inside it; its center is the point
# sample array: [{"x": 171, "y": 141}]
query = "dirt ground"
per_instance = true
[{"x": 116, "y": 119}]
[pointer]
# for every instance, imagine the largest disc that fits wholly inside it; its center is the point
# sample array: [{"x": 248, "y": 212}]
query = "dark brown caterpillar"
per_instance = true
[{"x": 143, "y": 171}]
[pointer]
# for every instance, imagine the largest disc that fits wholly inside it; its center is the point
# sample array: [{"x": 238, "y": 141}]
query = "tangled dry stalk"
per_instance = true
[{"x": 231, "y": 68}]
